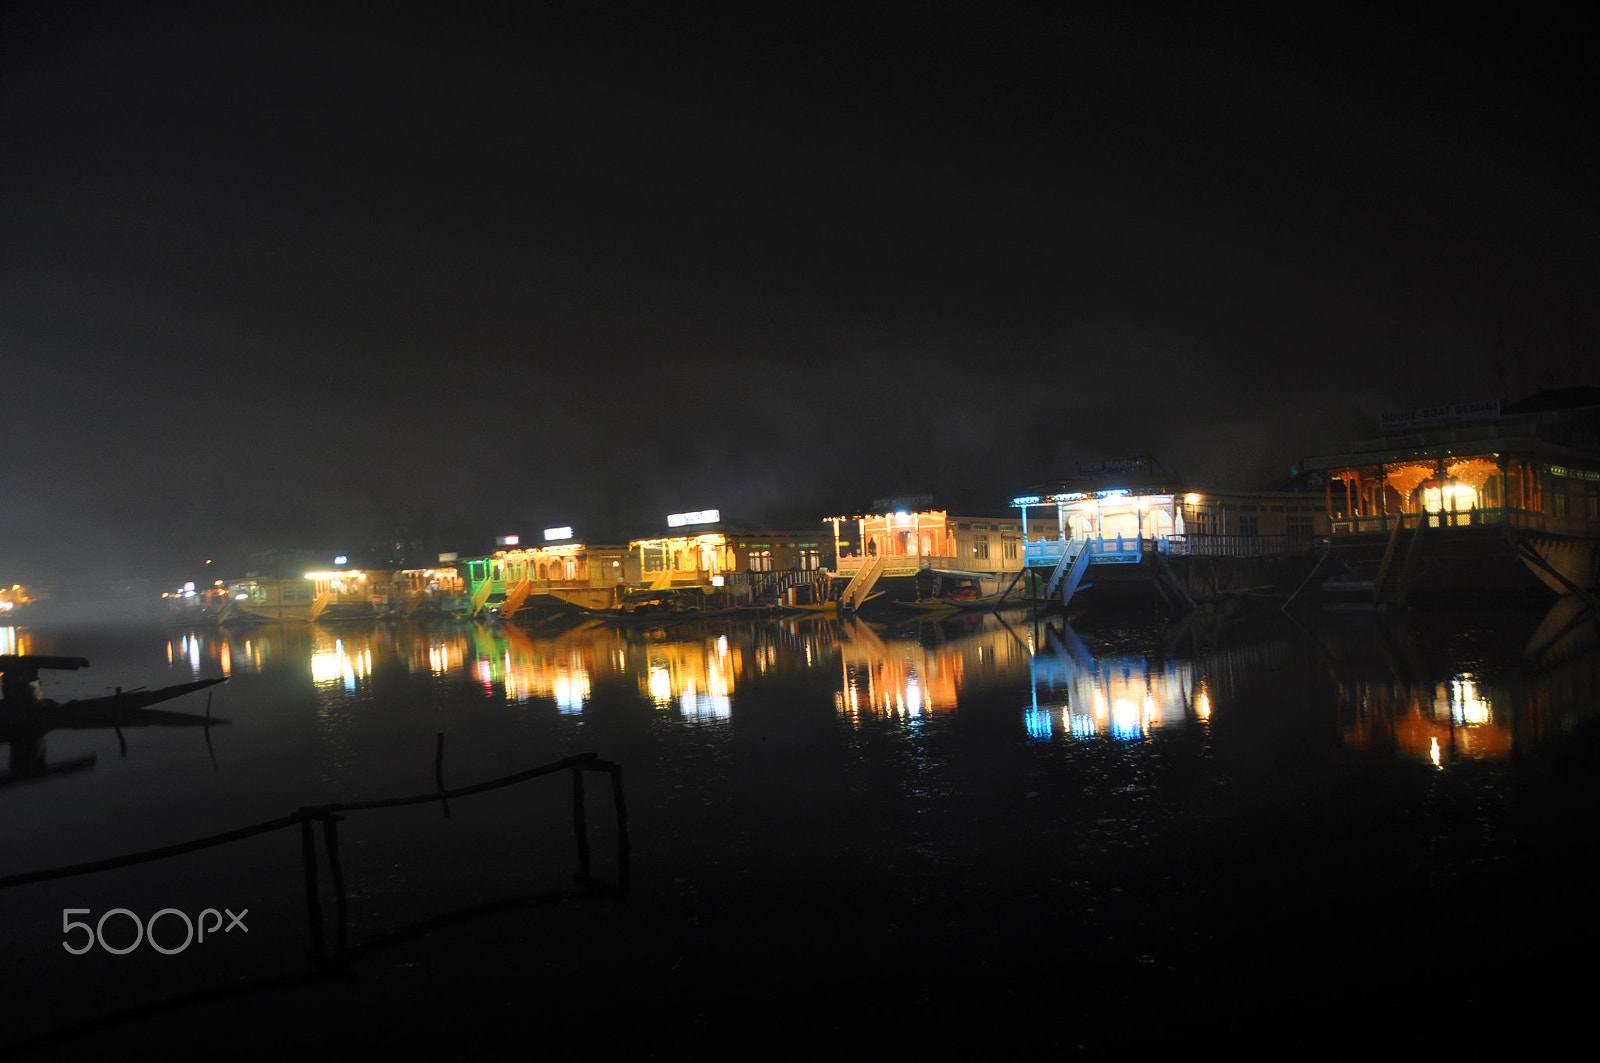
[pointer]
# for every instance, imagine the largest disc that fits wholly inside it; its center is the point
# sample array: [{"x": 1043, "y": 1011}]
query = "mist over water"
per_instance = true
[{"x": 921, "y": 830}]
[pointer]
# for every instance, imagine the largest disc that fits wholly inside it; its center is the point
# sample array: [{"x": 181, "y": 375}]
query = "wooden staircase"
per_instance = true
[
  {"x": 515, "y": 599},
  {"x": 861, "y": 584},
  {"x": 413, "y": 600},
  {"x": 480, "y": 596},
  {"x": 1073, "y": 574},
  {"x": 321, "y": 604},
  {"x": 1394, "y": 593}
]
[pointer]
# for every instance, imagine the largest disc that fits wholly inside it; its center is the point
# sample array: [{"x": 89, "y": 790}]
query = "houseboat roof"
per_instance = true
[
  {"x": 741, "y": 529},
  {"x": 1561, "y": 424},
  {"x": 949, "y": 514},
  {"x": 1510, "y": 435}
]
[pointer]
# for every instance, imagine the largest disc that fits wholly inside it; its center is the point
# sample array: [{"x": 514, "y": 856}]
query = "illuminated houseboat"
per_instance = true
[
  {"x": 563, "y": 574},
  {"x": 908, "y": 551},
  {"x": 322, "y": 596},
  {"x": 13, "y": 601},
  {"x": 1150, "y": 533},
  {"x": 408, "y": 592},
  {"x": 701, "y": 557},
  {"x": 190, "y": 605},
  {"x": 1468, "y": 499}
]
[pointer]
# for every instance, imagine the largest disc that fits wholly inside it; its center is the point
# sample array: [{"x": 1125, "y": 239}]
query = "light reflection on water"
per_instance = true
[
  {"x": 950, "y": 733},
  {"x": 1122, "y": 696},
  {"x": 1072, "y": 691}
]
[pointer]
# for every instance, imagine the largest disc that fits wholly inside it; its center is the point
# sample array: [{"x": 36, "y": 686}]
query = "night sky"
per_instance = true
[{"x": 285, "y": 275}]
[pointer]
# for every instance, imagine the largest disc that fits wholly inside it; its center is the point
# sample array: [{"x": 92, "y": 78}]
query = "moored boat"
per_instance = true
[{"x": 25, "y": 717}]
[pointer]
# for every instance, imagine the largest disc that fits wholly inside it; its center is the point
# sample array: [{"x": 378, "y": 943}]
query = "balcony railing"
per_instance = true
[
  {"x": 1048, "y": 553},
  {"x": 1118, "y": 550},
  {"x": 1206, "y": 545},
  {"x": 1383, "y": 522}
]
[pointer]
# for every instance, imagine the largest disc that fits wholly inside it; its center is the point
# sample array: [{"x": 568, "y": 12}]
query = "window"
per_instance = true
[
  {"x": 1299, "y": 527},
  {"x": 761, "y": 561},
  {"x": 810, "y": 560},
  {"x": 1011, "y": 550},
  {"x": 980, "y": 549},
  {"x": 1249, "y": 525}
]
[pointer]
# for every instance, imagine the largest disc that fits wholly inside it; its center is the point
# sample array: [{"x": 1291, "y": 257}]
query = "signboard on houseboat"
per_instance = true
[{"x": 1434, "y": 416}]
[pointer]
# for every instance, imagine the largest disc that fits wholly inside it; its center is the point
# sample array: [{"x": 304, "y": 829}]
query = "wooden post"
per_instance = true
[
  {"x": 330, "y": 838},
  {"x": 116, "y": 724},
  {"x": 580, "y": 829},
  {"x": 438, "y": 773},
  {"x": 623, "y": 874},
  {"x": 308, "y": 853}
]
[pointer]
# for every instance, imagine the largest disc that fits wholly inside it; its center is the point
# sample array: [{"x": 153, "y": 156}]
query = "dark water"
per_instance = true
[{"x": 991, "y": 832}]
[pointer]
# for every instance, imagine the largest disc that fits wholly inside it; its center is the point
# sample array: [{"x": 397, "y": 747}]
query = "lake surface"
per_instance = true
[{"x": 995, "y": 831}]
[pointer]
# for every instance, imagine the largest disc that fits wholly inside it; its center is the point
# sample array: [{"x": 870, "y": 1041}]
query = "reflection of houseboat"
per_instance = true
[
  {"x": 917, "y": 552},
  {"x": 1079, "y": 695},
  {"x": 323, "y": 596},
  {"x": 1146, "y": 538},
  {"x": 1469, "y": 499},
  {"x": 557, "y": 576}
]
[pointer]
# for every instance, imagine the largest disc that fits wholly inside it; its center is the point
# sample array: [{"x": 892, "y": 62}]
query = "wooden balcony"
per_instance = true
[{"x": 1385, "y": 522}]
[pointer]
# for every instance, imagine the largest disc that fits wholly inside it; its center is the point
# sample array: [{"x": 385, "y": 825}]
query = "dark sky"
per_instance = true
[{"x": 275, "y": 274}]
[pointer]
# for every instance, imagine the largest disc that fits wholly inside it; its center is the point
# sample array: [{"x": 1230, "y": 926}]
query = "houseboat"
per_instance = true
[
  {"x": 1139, "y": 533},
  {"x": 908, "y": 550},
  {"x": 1467, "y": 500},
  {"x": 404, "y": 593},
  {"x": 560, "y": 575},
  {"x": 320, "y": 596},
  {"x": 703, "y": 559},
  {"x": 192, "y": 606},
  {"x": 14, "y": 602}
]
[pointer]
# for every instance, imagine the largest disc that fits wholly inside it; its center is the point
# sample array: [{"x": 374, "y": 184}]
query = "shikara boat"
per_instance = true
[
  {"x": 955, "y": 604},
  {"x": 25, "y": 717}
]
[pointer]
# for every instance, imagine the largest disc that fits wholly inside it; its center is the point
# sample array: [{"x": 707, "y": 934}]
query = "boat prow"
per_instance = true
[{"x": 23, "y": 712}]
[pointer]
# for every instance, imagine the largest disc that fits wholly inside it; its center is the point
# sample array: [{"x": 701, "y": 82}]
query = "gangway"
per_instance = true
[
  {"x": 1164, "y": 574},
  {"x": 323, "y": 601},
  {"x": 861, "y": 584},
  {"x": 480, "y": 596},
  {"x": 1408, "y": 571},
  {"x": 413, "y": 600},
  {"x": 1074, "y": 575},
  {"x": 515, "y": 598}
]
